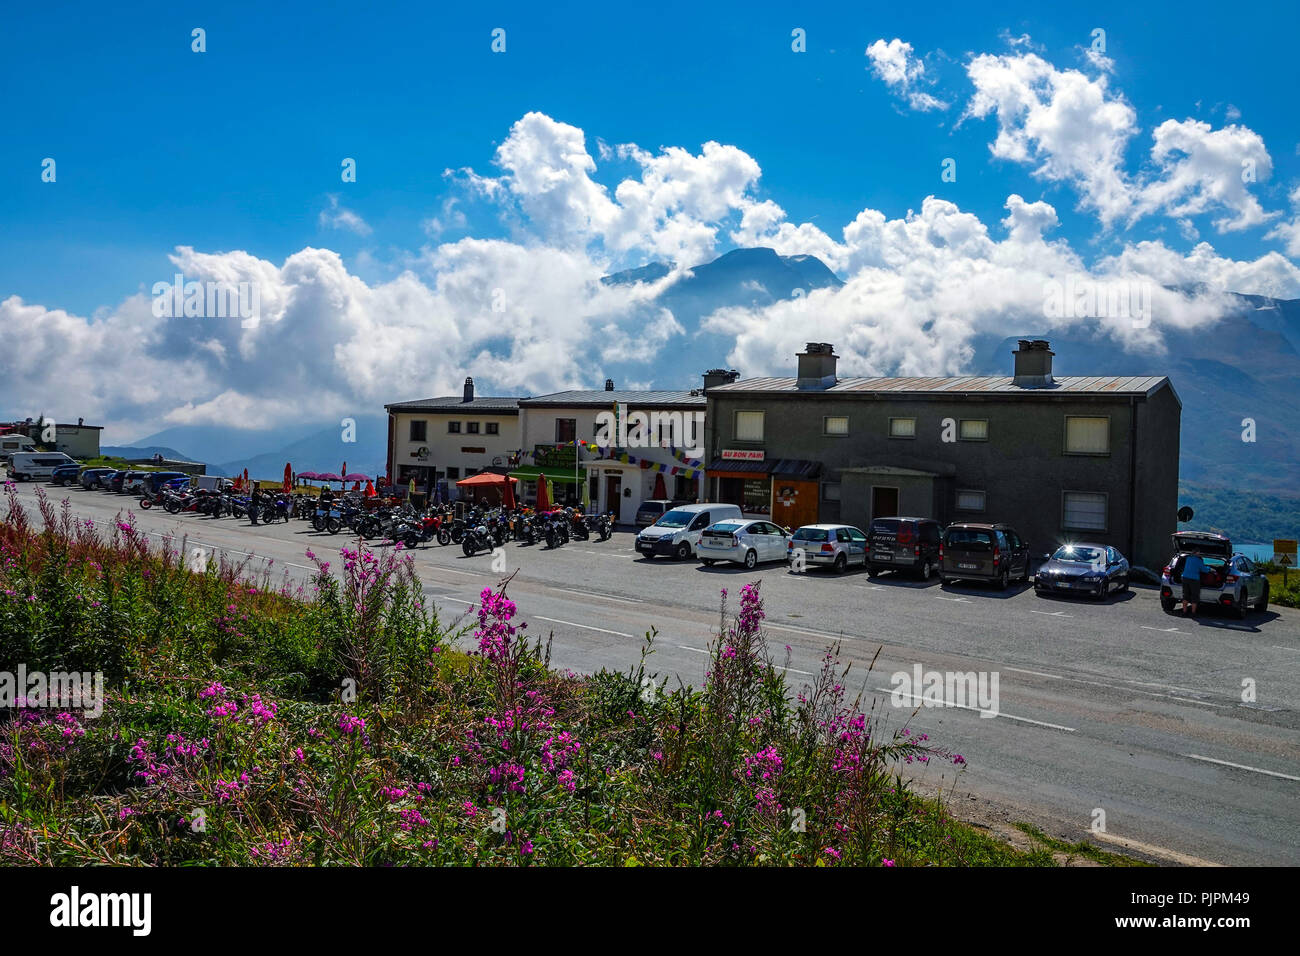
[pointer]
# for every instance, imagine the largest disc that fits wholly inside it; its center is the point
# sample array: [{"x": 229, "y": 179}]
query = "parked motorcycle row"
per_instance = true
[{"x": 474, "y": 529}]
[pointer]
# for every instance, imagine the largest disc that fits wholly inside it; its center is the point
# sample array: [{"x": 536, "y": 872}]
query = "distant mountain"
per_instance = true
[
  {"x": 322, "y": 450},
  {"x": 743, "y": 277},
  {"x": 145, "y": 451}
]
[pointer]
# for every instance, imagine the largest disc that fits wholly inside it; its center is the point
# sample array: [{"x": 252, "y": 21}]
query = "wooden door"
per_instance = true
[{"x": 794, "y": 503}]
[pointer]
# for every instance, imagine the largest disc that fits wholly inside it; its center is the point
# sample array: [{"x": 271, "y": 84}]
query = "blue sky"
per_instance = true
[
  {"x": 605, "y": 137},
  {"x": 239, "y": 147}
]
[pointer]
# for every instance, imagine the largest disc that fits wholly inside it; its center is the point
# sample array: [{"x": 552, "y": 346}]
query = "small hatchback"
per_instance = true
[
  {"x": 904, "y": 544},
  {"x": 833, "y": 545},
  {"x": 743, "y": 541},
  {"x": 983, "y": 552}
]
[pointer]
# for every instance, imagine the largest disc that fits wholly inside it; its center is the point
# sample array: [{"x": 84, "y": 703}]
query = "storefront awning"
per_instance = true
[
  {"x": 785, "y": 467},
  {"x": 530, "y": 473}
]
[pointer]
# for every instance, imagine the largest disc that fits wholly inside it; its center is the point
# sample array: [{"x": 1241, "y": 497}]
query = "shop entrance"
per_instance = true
[{"x": 884, "y": 502}]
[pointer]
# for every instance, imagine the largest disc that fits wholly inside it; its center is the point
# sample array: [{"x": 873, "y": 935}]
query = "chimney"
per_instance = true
[
  {"x": 719, "y": 376},
  {"x": 1033, "y": 364},
  {"x": 609, "y": 385},
  {"x": 817, "y": 366},
  {"x": 469, "y": 390}
]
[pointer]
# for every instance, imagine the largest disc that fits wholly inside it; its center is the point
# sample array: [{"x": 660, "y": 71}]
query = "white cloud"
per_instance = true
[
  {"x": 337, "y": 217},
  {"x": 1289, "y": 232},
  {"x": 894, "y": 63}
]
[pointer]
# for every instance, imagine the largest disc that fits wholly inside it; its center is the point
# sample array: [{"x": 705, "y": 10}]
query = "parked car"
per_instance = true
[
  {"x": 1088, "y": 569},
  {"x": 651, "y": 511},
  {"x": 745, "y": 541},
  {"x": 134, "y": 482},
  {"x": 26, "y": 465},
  {"x": 65, "y": 474},
  {"x": 114, "y": 481},
  {"x": 904, "y": 544},
  {"x": 154, "y": 480},
  {"x": 94, "y": 477},
  {"x": 677, "y": 532},
  {"x": 836, "y": 545},
  {"x": 983, "y": 552},
  {"x": 1229, "y": 581}
]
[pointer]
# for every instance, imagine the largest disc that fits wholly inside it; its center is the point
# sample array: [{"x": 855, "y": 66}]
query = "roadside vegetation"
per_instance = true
[{"x": 251, "y": 720}]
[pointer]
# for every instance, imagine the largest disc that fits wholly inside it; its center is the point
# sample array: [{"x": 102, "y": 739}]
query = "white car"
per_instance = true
[
  {"x": 743, "y": 540},
  {"x": 677, "y": 532},
  {"x": 837, "y": 545}
]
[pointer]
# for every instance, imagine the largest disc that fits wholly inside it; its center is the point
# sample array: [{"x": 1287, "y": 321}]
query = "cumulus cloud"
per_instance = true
[
  {"x": 902, "y": 72},
  {"x": 1074, "y": 129},
  {"x": 1288, "y": 233},
  {"x": 337, "y": 217},
  {"x": 527, "y": 313}
]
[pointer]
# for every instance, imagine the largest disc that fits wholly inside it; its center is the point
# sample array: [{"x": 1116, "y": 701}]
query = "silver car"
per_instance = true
[
  {"x": 743, "y": 540},
  {"x": 827, "y": 545},
  {"x": 1230, "y": 580}
]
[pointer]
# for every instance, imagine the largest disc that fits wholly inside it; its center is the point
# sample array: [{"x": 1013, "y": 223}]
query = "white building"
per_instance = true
[
  {"x": 637, "y": 465},
  {"x": 445, "y": 439}
]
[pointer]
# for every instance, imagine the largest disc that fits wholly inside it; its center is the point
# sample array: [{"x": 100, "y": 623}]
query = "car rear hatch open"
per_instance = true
[{"x": 1200, "y": 542}]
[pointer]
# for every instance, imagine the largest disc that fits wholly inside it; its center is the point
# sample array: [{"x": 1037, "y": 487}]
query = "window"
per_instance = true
[
  {"x": 830, "y": 491},
  {"x": 419, "y": 432},
  {"x": 453, "y": 428},
  {"x": 856, "y": 536},
  {"x": 835, "y": 426},
  {"x": 973, "y": 429},
  {"x": 471, "y": 428},
  {"x": 842, "y": 535},
  {"x": 1087, "y": 436},
  {"x": 566, "y": 429},
  {"x": 493, "y": 428},
  {"x": 970, "y": 501},
  {"x": 902, "y": 428},
  {"x": 749, "y": 426},
  {"x": 1083, "y": 511},
  {"x": 453, "y": 473}
]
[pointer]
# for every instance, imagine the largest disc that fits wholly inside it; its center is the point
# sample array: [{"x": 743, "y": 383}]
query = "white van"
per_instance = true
[
  {"x": 677, "y": 532},
  {"x": 25, "y": 465}
]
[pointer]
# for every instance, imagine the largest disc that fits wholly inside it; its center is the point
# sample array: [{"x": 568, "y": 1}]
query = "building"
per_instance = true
[
  {"x": 1059, "y": 458},
  {"x": 79, "y": 441},
  {"x": 644, "y": 458},
  {"x": 445, "y": 439}
]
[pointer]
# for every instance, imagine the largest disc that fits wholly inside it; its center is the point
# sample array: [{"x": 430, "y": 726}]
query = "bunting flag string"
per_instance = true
[{"x": 689, "y": 468}]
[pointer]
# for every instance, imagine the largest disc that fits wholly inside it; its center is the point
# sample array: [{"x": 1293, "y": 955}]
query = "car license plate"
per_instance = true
[
  {"x": 968, "y": 567},
  {"x": 884, "y": 555}
]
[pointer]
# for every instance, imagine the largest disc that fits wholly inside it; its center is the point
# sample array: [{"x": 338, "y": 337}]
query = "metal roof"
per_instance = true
[
  {"x": 786, "y": 467},
  {"x": 1003, "y": 384},
  {"x": 455, "y": 403},
  {"x": 632, "y": 397}
]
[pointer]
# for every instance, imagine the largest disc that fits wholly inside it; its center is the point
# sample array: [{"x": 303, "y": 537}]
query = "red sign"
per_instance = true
[{"x": 743, "y": 454}]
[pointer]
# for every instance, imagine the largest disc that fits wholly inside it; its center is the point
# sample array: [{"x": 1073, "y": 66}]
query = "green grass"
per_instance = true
[{"x": 1072, "y": 851}]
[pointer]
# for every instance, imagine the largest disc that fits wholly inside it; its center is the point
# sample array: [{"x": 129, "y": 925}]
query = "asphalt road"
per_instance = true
[{"x": 1115, "y": 706}]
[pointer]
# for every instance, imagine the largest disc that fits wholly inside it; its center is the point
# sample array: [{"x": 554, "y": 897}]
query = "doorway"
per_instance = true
[
  {"x": 613, "y": 492},
  {"x": 884, "y": 502}
]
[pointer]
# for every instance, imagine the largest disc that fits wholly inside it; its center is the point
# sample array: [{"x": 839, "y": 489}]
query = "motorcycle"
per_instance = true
[
  {"x": 476, "y": 539},
  {"x": 148, "y": 501},
  {"x": 556, "y": 529}
]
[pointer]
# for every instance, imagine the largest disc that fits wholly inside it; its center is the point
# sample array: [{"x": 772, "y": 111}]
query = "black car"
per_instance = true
[
  {"x": 65, "y": 474},
  {"x": 1091, "y": 570},
  {"x": 904, "y": 544}
]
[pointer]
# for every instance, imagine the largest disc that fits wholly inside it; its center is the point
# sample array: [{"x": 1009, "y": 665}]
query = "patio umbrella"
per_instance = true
[
  {"x": 543, "y": 498},
  {"x": 343, "y": 472},
  {"x": 245, "y": 478},
  {"x": 308, "y": 475},
  {"x": 354, "y": 476},
  {"x": 370, "y": 489},
  {"x": 660, "y": 491},
  {"x": 287, "y": 484},
  {"x": 327, "y": 476}
]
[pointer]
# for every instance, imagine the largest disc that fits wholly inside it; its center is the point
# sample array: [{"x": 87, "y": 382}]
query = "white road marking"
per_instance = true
[
  {"x": 1021, "y": 670},
  {"x": 804, "y": 630},
  {"x": 1162, "y": 630},
  {"x": 473, "y": 574},
  {"x": 603, "y": 597},
  {"x": 1293, "y": 650},
  {"x": 940, "y": 597},
  {"x": 439, "y": 597},
  {"x": 1052, "y": 613},
  {"x": 1242, "y": 766},
  {"x": 946, "y": 703},
  {"x": 697, "y": 650},
  {"x": 588, "y": 627}
]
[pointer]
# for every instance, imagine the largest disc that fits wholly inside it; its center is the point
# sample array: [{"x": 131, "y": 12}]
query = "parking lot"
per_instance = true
[{"x": 1111, "y": 705}]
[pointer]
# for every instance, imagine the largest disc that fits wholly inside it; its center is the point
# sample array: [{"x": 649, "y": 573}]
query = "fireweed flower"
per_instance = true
[{"x": 350, "y": 725}]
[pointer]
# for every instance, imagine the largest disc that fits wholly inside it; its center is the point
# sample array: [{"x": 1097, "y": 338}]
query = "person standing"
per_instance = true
[
  {"x": 254, "y": 503},
  {"x": 1193, "y": 568}
]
